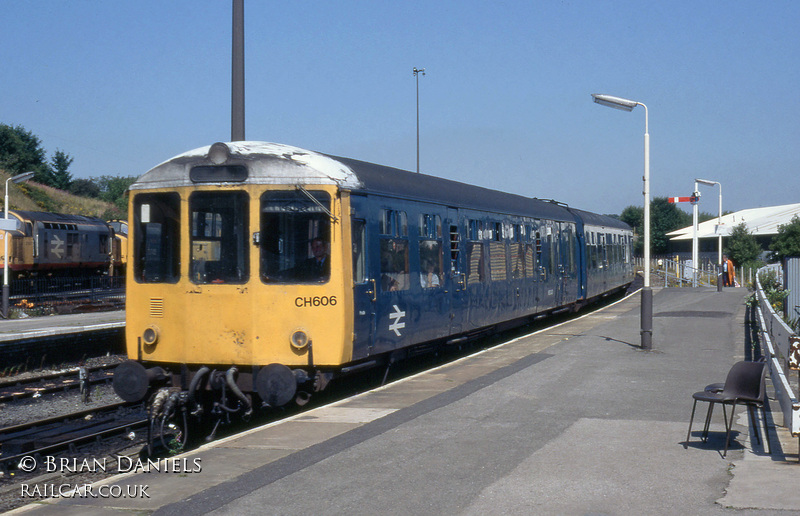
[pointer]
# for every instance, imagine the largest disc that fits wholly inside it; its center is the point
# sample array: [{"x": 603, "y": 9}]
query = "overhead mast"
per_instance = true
[{"x": 237, "y": 75}]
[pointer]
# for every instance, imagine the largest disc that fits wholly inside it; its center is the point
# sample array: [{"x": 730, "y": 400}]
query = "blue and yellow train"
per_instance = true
[{"x": 259, "y": 272}]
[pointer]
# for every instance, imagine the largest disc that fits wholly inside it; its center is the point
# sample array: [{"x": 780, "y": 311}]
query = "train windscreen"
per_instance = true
[{"x": 295, "y": 236}]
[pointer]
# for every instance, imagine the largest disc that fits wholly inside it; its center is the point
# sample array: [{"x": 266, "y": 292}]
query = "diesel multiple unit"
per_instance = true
[{"x": 260, "y": 272}]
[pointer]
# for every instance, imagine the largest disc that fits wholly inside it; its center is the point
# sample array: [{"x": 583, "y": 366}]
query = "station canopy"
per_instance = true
[{"x": 759, "y": 222}]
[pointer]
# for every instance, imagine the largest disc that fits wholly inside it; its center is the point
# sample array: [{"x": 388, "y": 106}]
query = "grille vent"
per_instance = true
[{"x": 156, "y": 307}]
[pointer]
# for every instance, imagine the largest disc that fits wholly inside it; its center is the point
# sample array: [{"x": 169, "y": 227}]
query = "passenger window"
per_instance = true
[
  {"x": 156, "y": 238},
  {"x": 219, "y": 242},
  {"x": 517, "y": 260},
  {"x": 497, "y": 259},
  {"x": 394, "y": 264},
  {"x": 430, "y": 251},
  {"x": 430, "y": 257},
  {"x": 394, "y": 251},
  {"x": 475, "y": 272}
]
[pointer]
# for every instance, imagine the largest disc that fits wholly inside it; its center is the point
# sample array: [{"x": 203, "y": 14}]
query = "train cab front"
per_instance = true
[{"x": 235, "y": 284}]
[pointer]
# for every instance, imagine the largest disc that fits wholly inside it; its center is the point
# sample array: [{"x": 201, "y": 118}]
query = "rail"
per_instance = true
[{"x": 778, "y": 338}]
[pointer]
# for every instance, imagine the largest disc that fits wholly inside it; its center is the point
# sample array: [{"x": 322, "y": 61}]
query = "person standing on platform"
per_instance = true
[{"x": 727, "y": 271}]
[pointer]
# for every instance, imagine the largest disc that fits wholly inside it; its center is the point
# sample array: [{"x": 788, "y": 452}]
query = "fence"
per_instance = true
[
  {"x": 780, "y": 343},
  {"x": 43, "y": 296},
  {"x": 678, "y": 274}
]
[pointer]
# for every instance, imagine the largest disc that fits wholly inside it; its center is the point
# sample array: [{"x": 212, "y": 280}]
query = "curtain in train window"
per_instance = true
[
  {"x": 220, "y": 249},
  {"x": 475, "y": 265},
  {"x": 156, "y": 238},
  {"x": 295, "y": 237},
  {"x": 517, "y": 260}
]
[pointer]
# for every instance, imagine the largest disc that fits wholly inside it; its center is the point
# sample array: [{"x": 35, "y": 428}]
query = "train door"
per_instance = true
[
  {"x": 364, "y": 283},
  {"x": 456, "y": 278},
  {"x": 568, "y": 264},
  {"x": 548, "y": 266}
]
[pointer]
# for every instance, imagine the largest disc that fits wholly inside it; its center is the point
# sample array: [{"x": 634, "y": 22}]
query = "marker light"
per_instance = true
[{"x": 299, "y": 339}]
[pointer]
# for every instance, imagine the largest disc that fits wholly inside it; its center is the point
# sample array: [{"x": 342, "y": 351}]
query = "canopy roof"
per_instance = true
[{"x": 759, "y": 222}]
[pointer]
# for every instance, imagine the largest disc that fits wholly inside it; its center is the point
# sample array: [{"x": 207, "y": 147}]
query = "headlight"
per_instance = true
[
  {"x": 150, "y": 336},
  {"x": 299, "y": 339}
]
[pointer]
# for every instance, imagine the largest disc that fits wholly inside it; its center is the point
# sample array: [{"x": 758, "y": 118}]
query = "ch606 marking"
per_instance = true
[{"x": 304, "y": 302}]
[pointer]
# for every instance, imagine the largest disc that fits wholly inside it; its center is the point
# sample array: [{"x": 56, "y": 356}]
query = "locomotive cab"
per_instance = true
[{"x": 233, "y": 278}]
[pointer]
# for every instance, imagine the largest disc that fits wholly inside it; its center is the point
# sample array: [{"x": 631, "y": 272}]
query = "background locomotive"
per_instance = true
[
  {"x": 259, "y": 271},
  {"x": 58, "y": 244}
]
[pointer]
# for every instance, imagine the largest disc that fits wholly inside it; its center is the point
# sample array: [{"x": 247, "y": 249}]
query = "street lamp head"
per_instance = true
[
  {"x": 707, "y": 182},
  {"x": 419, "y": 70},
  {"x": 615, "y": 102},
  {"x": 21, "y": 177}
]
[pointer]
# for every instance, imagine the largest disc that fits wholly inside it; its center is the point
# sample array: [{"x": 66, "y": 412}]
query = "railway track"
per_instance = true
[
  {"x": 11, "y": 390},
  {"x": 67, "y": 432}
]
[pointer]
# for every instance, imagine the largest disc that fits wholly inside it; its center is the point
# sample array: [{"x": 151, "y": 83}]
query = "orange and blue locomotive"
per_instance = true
[
  {"x": 259, "y": 272},
  {"x": 58, "y": 244}
]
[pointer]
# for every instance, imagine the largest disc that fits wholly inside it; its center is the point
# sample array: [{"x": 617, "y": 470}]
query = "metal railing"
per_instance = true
[
  {"x": 679, "y": 274},
  {"x": 43, "y": 296},
  {"x": 777, "y": 337}
]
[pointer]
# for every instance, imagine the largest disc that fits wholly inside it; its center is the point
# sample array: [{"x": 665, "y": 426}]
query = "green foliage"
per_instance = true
[
  {"x": 773, "y": 289},
  {"x": 60, "y": 165},
  {"x": 665, "y": 217},
  {"x": 634, "y": 217},
  {"x": 787, "y": 242},
  {"x": 84, "y": 188},
  {"x": 44, "y": 201},
  {"x": 742, "y": 247},
  {"x": 21, "y": 151},
  {"x": 114, "y": 189}
]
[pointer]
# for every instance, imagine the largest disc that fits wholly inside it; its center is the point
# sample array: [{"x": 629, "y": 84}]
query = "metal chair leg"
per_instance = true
[
  {"x": 691, "y": 419},
  {"x": 728, "y": 428}
]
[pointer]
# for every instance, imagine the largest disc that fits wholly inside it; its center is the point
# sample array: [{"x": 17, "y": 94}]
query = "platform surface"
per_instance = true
[{"x": 574, "y": 419}]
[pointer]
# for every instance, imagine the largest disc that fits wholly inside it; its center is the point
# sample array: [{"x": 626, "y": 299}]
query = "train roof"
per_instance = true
[
  {"x": 595, "y": 219},
  {"x": 58, "y": 218},
  {"x": 272, "y": 163}
]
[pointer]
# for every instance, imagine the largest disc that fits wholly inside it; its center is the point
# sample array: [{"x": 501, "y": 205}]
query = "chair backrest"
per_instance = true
[{"x": 745, "y": 381}]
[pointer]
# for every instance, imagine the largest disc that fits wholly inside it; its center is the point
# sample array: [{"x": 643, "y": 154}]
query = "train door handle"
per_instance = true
[{"x": 373, "y": 293}]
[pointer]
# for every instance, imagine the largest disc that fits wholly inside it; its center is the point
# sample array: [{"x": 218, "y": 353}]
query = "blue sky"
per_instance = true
[{"x": 505, "y": 103}]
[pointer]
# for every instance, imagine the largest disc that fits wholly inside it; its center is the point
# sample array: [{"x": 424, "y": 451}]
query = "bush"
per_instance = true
[{"x": 773, "y": 289}]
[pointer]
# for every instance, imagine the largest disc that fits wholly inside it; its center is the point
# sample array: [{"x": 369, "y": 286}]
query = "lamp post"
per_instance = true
[
  {"x": 237, "y": 73},
  {"x": 647, "y": 293},
  {"x": 719, "y": 228},
  {"x": 7, "y": 227},
  {"x": 418, "y": 71}
]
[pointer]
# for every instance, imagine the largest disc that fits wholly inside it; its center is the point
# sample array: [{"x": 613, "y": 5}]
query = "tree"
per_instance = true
[
  {"x": 787, "y": 242},
  {"x": 743, "y": 247},
  {"x": 634, "y": 217},
  {"x": 21, "y": 151},
  {"x": 114, "y": 189},
  {"x": 60, "y": 165},
  {"x": 85, "y": 188},
  {"x": 664, "y": 218}
]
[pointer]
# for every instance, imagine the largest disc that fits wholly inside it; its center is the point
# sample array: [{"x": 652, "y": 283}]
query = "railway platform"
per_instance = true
[
  {"x": 59, "y": 325},
  {"x": 574, "y": 419},
  {"x": 55, "y": 338}
]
